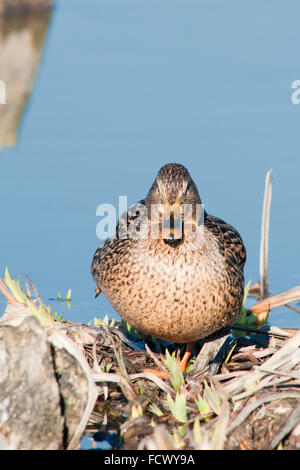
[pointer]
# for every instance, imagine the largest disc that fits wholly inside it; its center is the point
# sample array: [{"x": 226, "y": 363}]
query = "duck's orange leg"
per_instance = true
[
  {"x": 187, "y": 355},
  {"x": 183, "y": 362}
]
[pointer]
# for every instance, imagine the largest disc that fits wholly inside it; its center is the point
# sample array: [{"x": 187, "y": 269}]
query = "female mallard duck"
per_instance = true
[{"x": 172, "y": 270}]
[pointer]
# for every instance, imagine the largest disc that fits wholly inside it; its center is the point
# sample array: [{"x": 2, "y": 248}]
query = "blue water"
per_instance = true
[{"x": 127, "y": 86}]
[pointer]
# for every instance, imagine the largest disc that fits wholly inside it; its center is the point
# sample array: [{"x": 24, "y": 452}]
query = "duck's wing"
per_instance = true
[
  {"x": 129, "y": 220},
  {"x": 106, "y": 257},
  {"x": 229, "y": 240}
]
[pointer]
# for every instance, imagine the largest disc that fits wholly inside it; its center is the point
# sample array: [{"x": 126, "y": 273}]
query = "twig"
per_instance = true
[{"x": 292, "y": 308}]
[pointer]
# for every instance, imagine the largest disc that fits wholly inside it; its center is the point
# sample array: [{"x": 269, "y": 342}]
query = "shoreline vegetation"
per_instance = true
[
  {"x": 62, "y": 380},
  {"x": 241, "y": 390}
]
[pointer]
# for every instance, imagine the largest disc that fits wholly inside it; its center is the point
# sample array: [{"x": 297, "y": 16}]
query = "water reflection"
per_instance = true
[{"x": 21, "y": 44}]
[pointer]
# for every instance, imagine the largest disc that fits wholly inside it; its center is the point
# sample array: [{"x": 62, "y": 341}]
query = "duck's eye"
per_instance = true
[{"x": 188, "y": 187}]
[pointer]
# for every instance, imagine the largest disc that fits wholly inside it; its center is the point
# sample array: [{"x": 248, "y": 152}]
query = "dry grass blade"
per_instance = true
[
  {"x": 293, "y": 420},
  {"x": 221, "y": 429},
  {"x": 255, "y": 404},
  {"x": 280, "y": 373},
  {"x": 159, "y": 364},
  {"x": 286, "y": 354},
  {"x": 116, "y": 378},
  {"x": 108, "y": 377},
  {"x": 10, "y": 298},
  {"x": 97, "y": 368},
  {"x": 264, "y": 242},
  {"x": 288, "y": 348},
  {"x": 126, "y": 384},
  {"x": 148, "y": 375},
  {"x": 277, "y": 300},
  {"x": 37, "y": 294},
  {"x": 28, "y": 293}
]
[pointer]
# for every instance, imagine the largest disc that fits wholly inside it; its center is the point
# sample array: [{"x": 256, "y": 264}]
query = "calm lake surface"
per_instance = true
[{"x": 124, "y": 87}]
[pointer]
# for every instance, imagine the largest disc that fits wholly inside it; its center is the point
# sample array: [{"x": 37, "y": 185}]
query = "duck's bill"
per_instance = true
[{"x": 172, "y": 222}]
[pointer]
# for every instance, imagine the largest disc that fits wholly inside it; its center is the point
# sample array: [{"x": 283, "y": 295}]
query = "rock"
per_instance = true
[
  {"x": 44, "y": 390},
  {"x": 74, "y": 388},
  {"x": 30, "y": 396}
]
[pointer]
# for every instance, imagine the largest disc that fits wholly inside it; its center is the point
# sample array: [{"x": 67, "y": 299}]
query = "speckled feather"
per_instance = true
[{"x": 177, "y": 292}]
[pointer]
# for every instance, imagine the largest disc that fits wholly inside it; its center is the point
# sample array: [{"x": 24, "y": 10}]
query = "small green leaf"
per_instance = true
[
  {"x": 178, "y": 407},
  {"x": 155, "y": 409},
  {"x": 173, "y": 366},
  {"x": 181, "y": 430},
  {"x": 108, "y": 367},
  {"x": 230, "y": 354},
  {"x": 202, "y": 405},
  {"x": 197, "y": 431},
  {"x": 212, "y": 398},
  {"x": 14, "y": 287},
  {"x": 130, "y": 330},
  {"x": 68, "y": 296}
]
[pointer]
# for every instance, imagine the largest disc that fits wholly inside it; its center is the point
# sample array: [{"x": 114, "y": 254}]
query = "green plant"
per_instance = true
[
  {"x": 41, "y": 312},
  {"x": 202, "y": 406},
  {"x": 67, "y": 298},
  {"x": 131, "y": 331},
  {"x": 210, "y": 403},
  {"x": 178, "y": 407},
  {"x": 105, "y": 322},
  {"x": 155, "y": 409},
  {"x": 176, "y": 378},
  {"x": 244, "y": 319}
]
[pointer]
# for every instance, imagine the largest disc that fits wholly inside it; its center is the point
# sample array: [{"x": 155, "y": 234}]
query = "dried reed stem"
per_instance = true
[{"x": 264, "y": 242}]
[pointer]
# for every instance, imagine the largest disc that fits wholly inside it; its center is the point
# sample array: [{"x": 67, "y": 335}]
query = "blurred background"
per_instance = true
[{"x": 101, "y": 93}]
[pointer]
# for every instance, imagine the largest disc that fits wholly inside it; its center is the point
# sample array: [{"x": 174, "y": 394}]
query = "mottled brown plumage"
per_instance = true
[{"x": 179, "y": 288}]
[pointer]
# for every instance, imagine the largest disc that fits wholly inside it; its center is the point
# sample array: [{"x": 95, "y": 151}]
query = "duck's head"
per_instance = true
[{"x": 173, "y": 196}]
